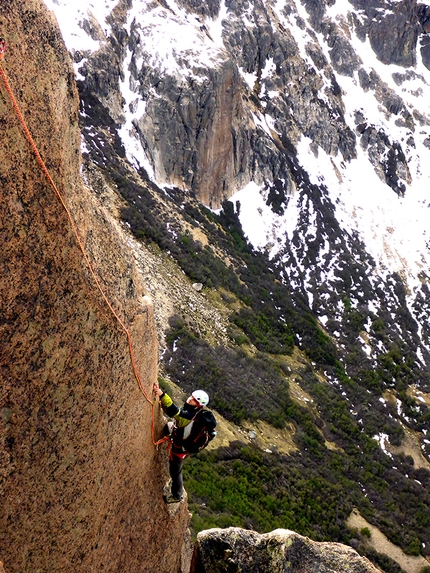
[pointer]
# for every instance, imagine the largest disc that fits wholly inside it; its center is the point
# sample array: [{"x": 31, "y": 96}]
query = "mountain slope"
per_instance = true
[{"x": 311, "y": 120}]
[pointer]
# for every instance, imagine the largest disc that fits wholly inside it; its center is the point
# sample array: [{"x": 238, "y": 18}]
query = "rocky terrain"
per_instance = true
[
  {"x": 233, "y": 549},
  {"x": 81, "y": 482},
  {"x": 253, "y": 197}
]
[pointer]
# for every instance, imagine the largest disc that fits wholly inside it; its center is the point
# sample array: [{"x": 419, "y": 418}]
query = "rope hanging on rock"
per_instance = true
[{"x": 77, "y": 236}]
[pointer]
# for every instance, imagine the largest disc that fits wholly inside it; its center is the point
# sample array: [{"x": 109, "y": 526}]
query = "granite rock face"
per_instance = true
[
  {"x": 241, "y": 551},
  {"x": 80, "y": 480}
]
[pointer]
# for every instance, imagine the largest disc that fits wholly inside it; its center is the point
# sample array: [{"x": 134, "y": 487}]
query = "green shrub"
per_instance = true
[{"x": 383, "y": 561}]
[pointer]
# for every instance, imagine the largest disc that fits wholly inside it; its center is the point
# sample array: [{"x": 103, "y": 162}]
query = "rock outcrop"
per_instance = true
[
  {"x": 80, "y": 480},
  {"x": 239, "y": 550},
  {"x": 78, "y": 472},
  {"x": 218, "y": 113}
]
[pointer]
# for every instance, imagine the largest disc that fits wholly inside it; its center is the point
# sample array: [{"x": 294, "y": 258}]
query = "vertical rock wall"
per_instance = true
[{"x": 80, "y": 481}]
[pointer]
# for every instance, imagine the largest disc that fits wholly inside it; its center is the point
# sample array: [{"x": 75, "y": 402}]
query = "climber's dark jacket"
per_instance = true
[{"x": 182, "y": 417}]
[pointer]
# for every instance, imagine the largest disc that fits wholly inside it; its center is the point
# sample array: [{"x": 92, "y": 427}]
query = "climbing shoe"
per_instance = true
[{"x": 170, "y": 499}]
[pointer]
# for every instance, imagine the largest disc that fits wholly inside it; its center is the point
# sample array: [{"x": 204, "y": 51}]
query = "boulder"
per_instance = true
[{"x": 236, "y": 550}]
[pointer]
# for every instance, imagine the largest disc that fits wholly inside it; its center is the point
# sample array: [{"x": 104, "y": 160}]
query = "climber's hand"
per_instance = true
[{"x": 157, "y": 390}]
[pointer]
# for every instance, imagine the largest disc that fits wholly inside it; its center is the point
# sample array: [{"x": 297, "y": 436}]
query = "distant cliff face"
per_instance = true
[
  {"x": 225, "y": 103},
  {"x": 80, "y": 480}
]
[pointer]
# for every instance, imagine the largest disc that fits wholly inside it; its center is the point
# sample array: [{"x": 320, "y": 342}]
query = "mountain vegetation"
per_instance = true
[
  {"x": 259, "y": 96},
  {"x": 314, "y": 490}
]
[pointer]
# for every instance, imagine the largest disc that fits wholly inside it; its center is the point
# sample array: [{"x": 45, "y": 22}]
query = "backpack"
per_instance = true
[{"x": 199, "y": 432}]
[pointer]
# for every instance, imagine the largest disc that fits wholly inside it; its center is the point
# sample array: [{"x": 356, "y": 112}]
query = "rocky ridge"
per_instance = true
[{"x": 217, "y": 124}]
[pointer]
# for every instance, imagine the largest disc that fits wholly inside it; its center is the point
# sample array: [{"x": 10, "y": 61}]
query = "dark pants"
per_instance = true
[{"x": 175, "y": 469}]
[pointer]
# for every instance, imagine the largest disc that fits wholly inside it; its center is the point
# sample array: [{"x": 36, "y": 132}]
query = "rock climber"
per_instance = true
[{"x": 178, "y": 430}]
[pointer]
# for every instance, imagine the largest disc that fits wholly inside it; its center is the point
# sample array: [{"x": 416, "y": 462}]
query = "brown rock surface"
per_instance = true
[
  {"x": 239, "y": 551},
  {"x": 80, "y": 481}
]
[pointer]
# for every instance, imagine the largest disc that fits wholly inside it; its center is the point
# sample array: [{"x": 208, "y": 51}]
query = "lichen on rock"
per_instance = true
[{"x": 242, "y": 551}]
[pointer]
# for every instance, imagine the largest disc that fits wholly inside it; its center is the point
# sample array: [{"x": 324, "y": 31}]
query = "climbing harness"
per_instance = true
[{"x": 78, "y": 239}]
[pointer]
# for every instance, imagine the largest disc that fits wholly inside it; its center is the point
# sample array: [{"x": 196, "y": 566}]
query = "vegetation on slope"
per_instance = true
[{"x": 313, "y": 491}]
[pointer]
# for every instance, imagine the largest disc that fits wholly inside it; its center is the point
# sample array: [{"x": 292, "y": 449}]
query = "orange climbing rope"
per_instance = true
[{"x": 78, "y": 239}]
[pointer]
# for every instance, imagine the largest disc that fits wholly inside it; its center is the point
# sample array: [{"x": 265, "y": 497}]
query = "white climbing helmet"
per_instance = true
[{"x": 201, "y": 397}]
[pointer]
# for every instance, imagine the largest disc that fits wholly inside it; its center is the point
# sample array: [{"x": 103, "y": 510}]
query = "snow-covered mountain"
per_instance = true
[
  {"x": 328, "y": 78},
  {"x": 306, "y": 121}
]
